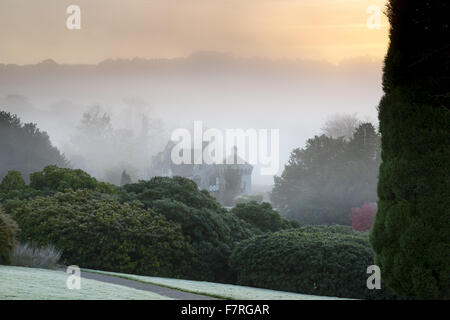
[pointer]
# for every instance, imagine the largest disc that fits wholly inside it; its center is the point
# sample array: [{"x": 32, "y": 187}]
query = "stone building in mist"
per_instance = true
[{"x": 223, "y": 181}]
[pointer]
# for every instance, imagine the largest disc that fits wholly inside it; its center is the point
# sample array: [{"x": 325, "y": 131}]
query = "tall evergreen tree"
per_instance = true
[{"x": 411, "y": 233}]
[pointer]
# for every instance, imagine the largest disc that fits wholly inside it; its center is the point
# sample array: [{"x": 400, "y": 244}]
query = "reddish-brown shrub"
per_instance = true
[{"x": 362, "y": 218}]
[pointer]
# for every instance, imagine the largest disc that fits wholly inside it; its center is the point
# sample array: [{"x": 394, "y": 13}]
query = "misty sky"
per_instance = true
[
  {"x": 333, "y": 30},
  {"x": 292, "y": 64}
]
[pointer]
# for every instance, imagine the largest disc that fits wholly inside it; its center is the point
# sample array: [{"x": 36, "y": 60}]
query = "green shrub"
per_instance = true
[
  {"x": 262, "y": 216},
  {"x": 57, "y": 179},
  {"x": 211, "y": 234},
  {"x": 104, "y": 234},
  {"x": 13, "y": 190},
  {"x": 176, "y": 188},
  {"x": 12, "y": 181},
  {"x": 318, "y": 260},
  {"x": 13, "y": 187},
  {"x": 8, "y": 241},
  {"x": 207, "y": 226}
]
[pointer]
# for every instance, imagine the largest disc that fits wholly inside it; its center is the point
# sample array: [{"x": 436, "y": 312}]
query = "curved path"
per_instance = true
[{"x": 167, "y": 292}]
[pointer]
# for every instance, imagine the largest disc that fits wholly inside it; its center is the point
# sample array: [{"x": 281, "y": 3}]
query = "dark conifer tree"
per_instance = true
[{"x": 411, "y": 233}]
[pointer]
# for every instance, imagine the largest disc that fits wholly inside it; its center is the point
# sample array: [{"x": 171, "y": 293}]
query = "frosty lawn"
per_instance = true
[
  {"x": 40, "y": 284},
  {"x": 224, "y": 291}
]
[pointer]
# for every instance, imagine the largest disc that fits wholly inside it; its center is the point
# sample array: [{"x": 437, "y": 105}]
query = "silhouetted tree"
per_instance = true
[
  {"x": 418, "y": 58},
  {"x": 24, "y": 147}
]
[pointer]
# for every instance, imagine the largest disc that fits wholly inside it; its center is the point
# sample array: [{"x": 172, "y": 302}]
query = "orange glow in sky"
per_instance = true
[{"x": 332, "y": 30}]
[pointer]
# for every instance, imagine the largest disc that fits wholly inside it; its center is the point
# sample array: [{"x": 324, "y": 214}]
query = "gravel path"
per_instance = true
[{"x": 171, "y": 293}]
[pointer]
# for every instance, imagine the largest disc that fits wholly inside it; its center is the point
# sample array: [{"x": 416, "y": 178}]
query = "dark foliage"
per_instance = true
[
  {"x": 12, "y": 181},
  {"x": 13, "y": 186},
  {"x": 176, "y": 188},
  {"x": 52, "y": 179},
  {"x": 209, "y": 228},
  {"x": 104, "y": 234},
  {"x": 318, "y": 260},
  {"x": 418, "y": 58},
  {"x": 262, "y": 216},
  {"x": 25, "y": 148},
  {"x": 56, "y": 179},
  {"x": 411, "y": 233}
]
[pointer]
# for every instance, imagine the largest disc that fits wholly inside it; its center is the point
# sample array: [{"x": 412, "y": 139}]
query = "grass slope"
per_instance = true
[
  {"x": 40, "y": 284},
  {"x": 219, "y": 290}
]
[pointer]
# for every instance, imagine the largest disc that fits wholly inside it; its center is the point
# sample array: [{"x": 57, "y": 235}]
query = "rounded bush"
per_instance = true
[
  {"x": 104, "y": 234},
  {"x": 262, "y": 216},
  {"x": 211, "y": 230},
  {"x": 212, "y": 236},
  {"x": 177, "y": 188},
  {"x": 8, "y": 233},
  {"x": 319, "y": 260},
  {"x": 53, "y": 178}
]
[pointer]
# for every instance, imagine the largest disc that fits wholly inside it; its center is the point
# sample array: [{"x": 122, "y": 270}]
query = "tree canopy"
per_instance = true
[
  {"x": 23, "y": 147},
  {"x": 324, "y": 180}
]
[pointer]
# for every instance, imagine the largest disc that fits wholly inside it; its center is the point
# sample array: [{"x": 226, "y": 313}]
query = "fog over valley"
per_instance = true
[{"x": 144, "y": 100}]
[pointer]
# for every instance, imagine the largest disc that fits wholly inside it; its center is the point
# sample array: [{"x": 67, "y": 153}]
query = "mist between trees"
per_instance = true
[{"x": 335, "y": 171}]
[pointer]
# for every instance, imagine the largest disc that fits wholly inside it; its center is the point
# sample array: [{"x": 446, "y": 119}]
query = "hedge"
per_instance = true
[{"x": 319, "y": 260}]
